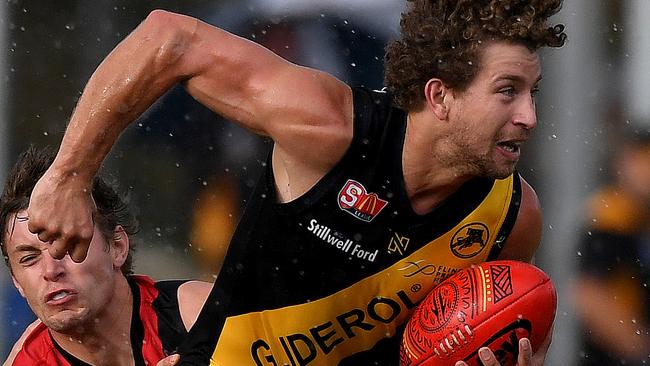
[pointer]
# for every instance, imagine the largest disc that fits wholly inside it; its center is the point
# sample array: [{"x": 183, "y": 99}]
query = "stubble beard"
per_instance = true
[
  {"x": 68, "y": 324},
  {"x": 474, "y": 165}
]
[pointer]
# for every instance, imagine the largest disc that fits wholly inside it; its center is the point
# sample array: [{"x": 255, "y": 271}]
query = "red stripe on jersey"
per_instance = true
[
  {"x": 152, "y": 350},
  {"x": 38, "y": 349}
]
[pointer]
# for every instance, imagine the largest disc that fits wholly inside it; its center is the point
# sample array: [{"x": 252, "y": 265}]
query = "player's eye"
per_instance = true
[
  {"x": 507, "y": 91},
  {"x": 28, "y": 259},
  {"x": 534, "y": 91}
]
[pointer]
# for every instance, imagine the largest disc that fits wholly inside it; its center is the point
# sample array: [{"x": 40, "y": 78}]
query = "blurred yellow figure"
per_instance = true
[
  {"x": 612, "y": 297},
  {"x": 215, "y": 215}
]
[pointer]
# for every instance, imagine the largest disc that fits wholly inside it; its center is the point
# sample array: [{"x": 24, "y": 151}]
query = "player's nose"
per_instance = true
[
  {"x": 526, "y": 114},
  {"x": 53, "y": 268}
]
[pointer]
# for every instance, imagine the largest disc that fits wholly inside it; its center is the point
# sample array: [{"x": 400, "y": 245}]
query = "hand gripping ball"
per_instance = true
[{"x": 493, "y": 304}]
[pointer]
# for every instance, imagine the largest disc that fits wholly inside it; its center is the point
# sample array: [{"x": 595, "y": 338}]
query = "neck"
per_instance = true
[
  {"x": 428, "y": 176},
  {"x": 106, "y": 339}
]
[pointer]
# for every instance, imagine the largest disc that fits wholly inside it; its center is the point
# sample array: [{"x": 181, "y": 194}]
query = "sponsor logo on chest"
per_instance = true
[
  {"x": 355, "y": 200},
  {"x": 340, "y": 242}
]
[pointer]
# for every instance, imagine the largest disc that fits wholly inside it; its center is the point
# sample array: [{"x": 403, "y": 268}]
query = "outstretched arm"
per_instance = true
[{"x": 236, "y": 78}]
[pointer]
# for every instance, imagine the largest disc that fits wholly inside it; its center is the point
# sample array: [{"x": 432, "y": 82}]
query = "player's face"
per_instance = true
[
  {"x": 65, "y": 295},
  {"x": 496, "y": 114}
]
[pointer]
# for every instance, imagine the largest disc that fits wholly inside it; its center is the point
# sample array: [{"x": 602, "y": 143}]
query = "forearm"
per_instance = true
[{"x": 136, "y": 73}]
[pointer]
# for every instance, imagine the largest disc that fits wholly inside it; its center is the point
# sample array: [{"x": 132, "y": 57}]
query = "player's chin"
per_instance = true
[
  {"x": 501, "y": 170},
  {"x": 66, "y": 321}
]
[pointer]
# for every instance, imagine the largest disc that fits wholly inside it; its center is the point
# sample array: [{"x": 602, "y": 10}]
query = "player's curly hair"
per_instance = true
[
  {"x": 112, "y": 207},
  {"x": 441, "y": 38}
]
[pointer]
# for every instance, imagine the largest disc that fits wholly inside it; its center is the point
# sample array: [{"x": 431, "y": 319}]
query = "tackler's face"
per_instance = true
[
  {"x": 63, "y": 294},
  {"x": 495, "y": 115}
]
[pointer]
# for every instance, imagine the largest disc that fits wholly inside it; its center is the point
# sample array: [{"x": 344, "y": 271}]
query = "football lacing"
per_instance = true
[{"x": 448, "y": 345}]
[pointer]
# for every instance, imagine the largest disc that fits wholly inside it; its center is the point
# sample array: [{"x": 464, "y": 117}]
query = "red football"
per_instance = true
[{"x": 493, "y": 304}]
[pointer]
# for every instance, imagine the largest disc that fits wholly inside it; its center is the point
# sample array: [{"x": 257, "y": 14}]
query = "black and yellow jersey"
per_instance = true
[{"x": 329, "y": 278}]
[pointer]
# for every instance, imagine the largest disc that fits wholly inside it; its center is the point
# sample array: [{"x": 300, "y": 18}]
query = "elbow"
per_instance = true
[
  {"x": 159, "y": 19},
  {"x": 169, "y": 34},
  {"x": 164, "y": 24}
]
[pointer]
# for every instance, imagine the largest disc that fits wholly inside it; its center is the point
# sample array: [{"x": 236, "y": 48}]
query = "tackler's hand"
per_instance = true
[
  {"x": 169, "y": 360},
  {"x": 61, "y": 212},
  {"x": 525, "y": 358}
]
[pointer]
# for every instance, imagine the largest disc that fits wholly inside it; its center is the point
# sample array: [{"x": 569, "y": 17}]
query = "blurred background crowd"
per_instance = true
[{"x": 189, "y": 172}]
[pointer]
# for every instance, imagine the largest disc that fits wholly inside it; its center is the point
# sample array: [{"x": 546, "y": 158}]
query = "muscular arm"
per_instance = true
[
  {"x": 527, "y": 232},
  {"x": 234, "y": 77}
]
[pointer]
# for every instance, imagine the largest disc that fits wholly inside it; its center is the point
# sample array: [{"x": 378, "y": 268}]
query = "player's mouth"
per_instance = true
[
  {"x": 60, "y": 297},
  {"x": 511, "y": 149}
]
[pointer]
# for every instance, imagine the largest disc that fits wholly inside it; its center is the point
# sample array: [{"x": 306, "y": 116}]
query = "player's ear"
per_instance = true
[
  {"x": 120, "y": 246},
  {"x": 18, "y": 286},
  {"x": 436, "y": 95}
]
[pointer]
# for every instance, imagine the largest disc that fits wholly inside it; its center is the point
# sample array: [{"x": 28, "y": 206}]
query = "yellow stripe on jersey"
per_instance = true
[{"x": 325, "y": 331}]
